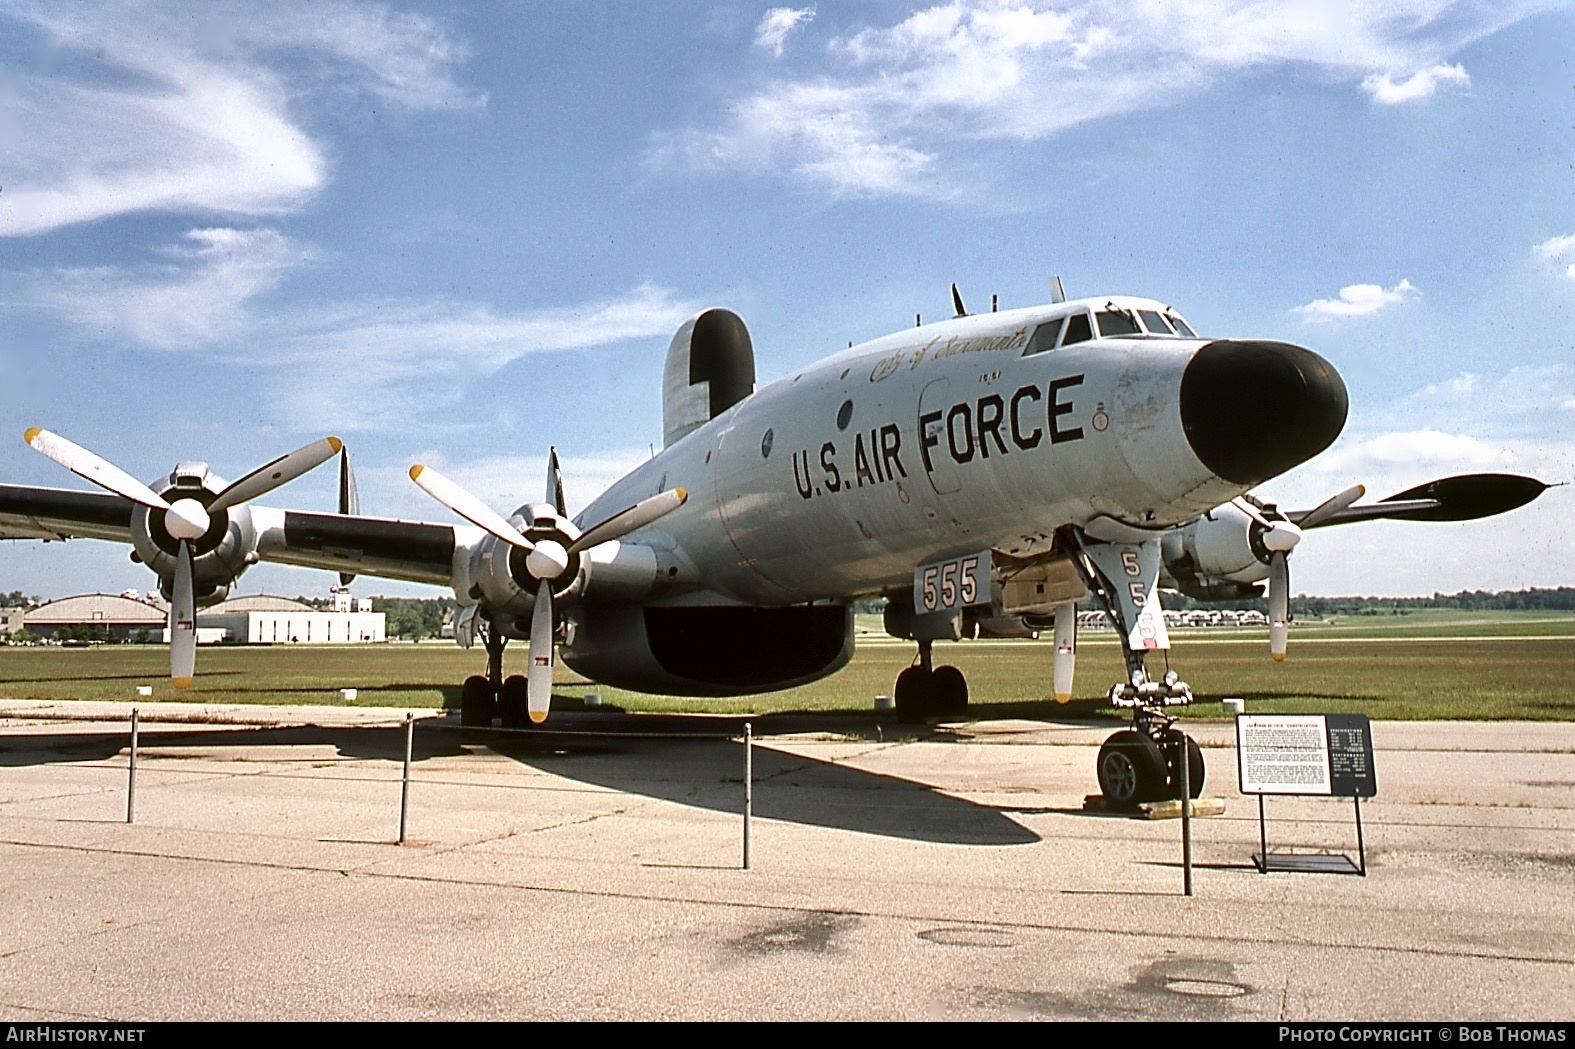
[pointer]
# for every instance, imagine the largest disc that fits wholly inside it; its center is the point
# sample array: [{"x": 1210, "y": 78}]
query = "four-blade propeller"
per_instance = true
[
  {"x": 185, "y": 519},
  {"x": 546, "y": 559},
  {"x": 1279, "y": 538}
]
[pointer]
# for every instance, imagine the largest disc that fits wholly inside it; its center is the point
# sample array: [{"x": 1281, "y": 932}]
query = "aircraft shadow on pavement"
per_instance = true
[{"x": 677, "y": 758}]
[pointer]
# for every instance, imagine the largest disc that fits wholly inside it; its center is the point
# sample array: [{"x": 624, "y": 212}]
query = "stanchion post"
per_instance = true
[
  {"x": 1184, "y": 762},
  {"x": 404, "y": 784},
  {"x": 131, "y": 775},
  {"x": 749, "y": 784}
]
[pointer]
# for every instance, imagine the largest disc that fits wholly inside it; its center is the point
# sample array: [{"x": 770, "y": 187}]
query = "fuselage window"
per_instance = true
[
  {"x": 1044, "y": 337},
  {"x": 1154, "y": 323},
  {"x": 1181, "y": 326},
  {"x": 1112, "y": 323},
  {"x": 1077, "y": 329}
]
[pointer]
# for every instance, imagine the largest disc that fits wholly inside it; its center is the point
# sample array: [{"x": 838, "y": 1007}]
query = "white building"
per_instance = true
[{"x": 265, "y": 620}]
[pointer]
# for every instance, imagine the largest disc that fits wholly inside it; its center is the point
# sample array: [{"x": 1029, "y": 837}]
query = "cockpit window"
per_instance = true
[
  {"x": 1044, "y": 337},
  {"x": 1077, "y": 329},
  {"x": 1113, "y": 323},
  {"x": 1154, "y": 323},
  {"x": 1181, "y": 327}
]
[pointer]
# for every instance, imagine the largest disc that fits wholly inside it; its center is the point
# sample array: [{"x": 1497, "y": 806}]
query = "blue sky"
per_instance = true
[{"x": 458, "y": 236}]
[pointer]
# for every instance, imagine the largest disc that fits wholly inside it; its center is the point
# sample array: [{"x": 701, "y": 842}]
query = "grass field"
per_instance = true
[{"x": 1422, "y": 665}]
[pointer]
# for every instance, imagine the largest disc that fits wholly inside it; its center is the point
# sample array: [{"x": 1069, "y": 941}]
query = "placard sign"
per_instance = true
[{"x": 1329, "y": 754}]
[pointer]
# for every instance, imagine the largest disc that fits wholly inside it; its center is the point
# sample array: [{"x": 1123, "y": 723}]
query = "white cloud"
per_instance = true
[
  {"x": 897, "y": 101},
  {"x": 503, "y": 482},
  {"x": 168, "y": 107},
  {"x": 1356, "y": 300},
  {"x": 1431, "y": 448},
  {"x": 777, "y": 23},
  {"x": 1558, "y": 251},
  {"x": 1420, "y": 85},
  {"x": 376, "y": 364},
  {"x": 201, "y": 297}
]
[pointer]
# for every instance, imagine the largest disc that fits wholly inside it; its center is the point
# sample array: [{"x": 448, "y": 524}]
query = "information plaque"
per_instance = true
[
  {"x": 1327, "y": 754},
  {"x": 1330, "y": 754}
]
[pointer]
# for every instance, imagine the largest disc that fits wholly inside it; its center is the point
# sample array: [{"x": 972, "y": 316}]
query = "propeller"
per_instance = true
[
  {"x": 186, "y": 519},
  {"x": 1278, "y": 538},
  {"x": 545, "y": 559}
]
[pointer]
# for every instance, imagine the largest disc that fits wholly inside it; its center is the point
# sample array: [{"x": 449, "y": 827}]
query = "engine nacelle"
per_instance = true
[
  {"x": 219, "y": 556},
  {"x": 707, "y": 650},
  {"x": 1218, "y": 556},
  {"x": 612, "y": 570}
]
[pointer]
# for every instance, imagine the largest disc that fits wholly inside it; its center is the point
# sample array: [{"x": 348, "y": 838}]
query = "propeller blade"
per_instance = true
[
  {"x": 183, "y": 622},
  {"x": 91, "y": 467},
  {"x": 625, "y": 521},
  {"x": 538, "y": 683},
  {"x": 1065, "y": 649},
  {"x": 957, "y": 302},
  {"x": 1331, "y": 506},
  {"x": 555, "y": 483},
  {"x": 1251, "y": 511},
  {"x": 468, "y": 506},
  {"x": 1279, "y": 605},
  {"x": 349, "y": 501},
  {"x": 349, "y": 497},
  {"x": 282, "y": 470}
]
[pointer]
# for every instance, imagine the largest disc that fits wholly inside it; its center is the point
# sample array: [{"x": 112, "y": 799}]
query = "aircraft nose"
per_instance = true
[{"x": 1252, "y": 410}]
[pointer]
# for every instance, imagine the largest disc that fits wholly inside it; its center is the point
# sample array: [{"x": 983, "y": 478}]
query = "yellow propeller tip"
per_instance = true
[
  {"x": 28, "y": 435},
  {"x": 1063, "y": 697},
  {"x": 683, "y": 494},
  {"x": 416, "y": 471},
  {"x": 1279, "y": 657},
  {"x": 336, "y": 444},
  {"x": 538, "y": 716},
  {"x": 181, "y": 682}
]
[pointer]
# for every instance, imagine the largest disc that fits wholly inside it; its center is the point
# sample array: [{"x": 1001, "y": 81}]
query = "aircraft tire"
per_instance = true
[
  {"x": 1131, "y": 769},
  {"x": 513, "y": 708},
  {"x": 914, "y": 695},
  {"x": 476, "y": 702},
  {"x": 950, "y": 689},
  {"x": 1195, "y": 766}
]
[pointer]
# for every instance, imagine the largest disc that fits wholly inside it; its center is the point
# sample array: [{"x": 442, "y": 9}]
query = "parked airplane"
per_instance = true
[{"x": 985, "y": 472}]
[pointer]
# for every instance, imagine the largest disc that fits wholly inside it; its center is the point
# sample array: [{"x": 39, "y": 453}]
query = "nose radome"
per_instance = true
[{"x": 1252, "y": 410}]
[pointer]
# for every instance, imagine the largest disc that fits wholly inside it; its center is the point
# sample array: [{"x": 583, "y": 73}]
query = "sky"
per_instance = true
[{"x": 458, "y": 236}]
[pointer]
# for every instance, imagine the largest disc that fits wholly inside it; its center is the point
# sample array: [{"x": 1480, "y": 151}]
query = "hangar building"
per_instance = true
[{"x": 255, "y": 620}]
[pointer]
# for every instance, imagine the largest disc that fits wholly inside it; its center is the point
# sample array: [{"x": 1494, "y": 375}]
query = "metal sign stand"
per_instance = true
[
  {"x": 1267, "y": 861},
  {"x": 1329, "y": 755}
]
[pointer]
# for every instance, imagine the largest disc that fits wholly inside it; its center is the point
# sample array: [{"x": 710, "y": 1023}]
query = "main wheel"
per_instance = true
[
  {"x": 951, "y": 691},
  {"x": 513, "y": 708},
  {"x": 1195, "y": 769},
  {"x": 1131, "y": 769},
  {"x": 914, "y": 694},
  {"x": 476, "y": 702}
]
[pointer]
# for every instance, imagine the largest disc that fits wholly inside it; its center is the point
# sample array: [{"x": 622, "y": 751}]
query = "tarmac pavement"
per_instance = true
[{"x": 594, "y": 873}]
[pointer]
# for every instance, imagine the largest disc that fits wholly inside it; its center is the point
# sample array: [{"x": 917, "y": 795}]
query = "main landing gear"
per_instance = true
[
  {"x": 483, "y": 698},
  {"x": 925, "y": 690}
]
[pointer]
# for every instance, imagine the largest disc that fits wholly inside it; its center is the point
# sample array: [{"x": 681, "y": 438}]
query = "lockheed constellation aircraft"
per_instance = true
[{"x": 983, "y": 474}]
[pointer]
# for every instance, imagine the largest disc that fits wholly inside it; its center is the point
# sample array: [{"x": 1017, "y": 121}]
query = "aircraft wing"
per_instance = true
[
  {"x": 1464, "y": 497},
  {"x": 413, "y": 551},
  {"x": 409, "y": 550},
  {"x": 56, "y": 513}
]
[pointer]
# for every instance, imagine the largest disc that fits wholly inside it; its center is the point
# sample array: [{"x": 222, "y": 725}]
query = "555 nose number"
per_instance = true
[{"x": 953, "y": 583}]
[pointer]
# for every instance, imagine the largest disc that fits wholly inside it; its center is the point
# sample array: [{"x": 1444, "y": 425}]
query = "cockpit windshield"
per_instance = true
[{"x": 1114, "y": 320}]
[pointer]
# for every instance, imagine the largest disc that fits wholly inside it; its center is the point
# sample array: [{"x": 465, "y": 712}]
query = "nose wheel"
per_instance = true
[{"x": 1143, "y": 763}]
